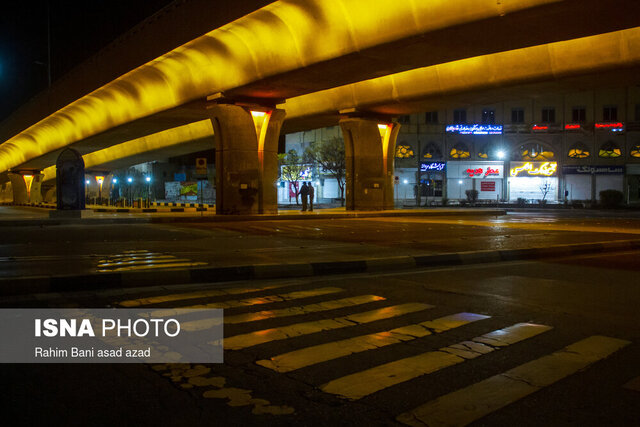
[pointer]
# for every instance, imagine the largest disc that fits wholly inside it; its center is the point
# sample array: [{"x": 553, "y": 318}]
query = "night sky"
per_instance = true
[{"x": 79, "y": 29}]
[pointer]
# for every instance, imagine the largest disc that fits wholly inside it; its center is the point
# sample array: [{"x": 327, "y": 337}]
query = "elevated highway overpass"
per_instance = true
[{"x": 300, "y": 55}]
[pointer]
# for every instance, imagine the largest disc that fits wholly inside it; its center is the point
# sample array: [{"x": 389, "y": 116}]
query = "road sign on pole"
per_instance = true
[{"x": 201, "y": 166}]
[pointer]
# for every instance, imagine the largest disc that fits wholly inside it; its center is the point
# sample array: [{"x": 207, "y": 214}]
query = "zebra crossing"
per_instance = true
[{"x": 457, "y": 408}]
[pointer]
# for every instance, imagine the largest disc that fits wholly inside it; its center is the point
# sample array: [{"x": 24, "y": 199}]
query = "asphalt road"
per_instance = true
[
  {"x": 27, "y": 251},
  {"x": 520, "y": 375}
]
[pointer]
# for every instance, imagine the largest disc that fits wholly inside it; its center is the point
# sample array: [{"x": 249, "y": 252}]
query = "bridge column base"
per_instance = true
[
  {"x": 26, "y": 187},
  {"x": 369, "y": 153},
  {"x": 246, "y": 158}
]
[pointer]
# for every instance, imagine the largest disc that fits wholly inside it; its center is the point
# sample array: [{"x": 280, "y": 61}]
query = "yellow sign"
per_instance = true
[{"x": 534, "y": 169}]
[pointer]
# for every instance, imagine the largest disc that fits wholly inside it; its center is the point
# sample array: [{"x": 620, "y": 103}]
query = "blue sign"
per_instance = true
[
  {"x": 475, "y": 129},
  {"x": 180, "y": 177},
  {"x": 432, "y": 167},
  {"x": 592, "y": 170}
]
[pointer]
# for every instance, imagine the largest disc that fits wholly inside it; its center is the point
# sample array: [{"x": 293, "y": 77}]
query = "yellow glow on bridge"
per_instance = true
[{"x": 281, "y": 37}]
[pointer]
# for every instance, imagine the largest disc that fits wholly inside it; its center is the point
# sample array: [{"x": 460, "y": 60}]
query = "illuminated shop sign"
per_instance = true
[
  {"x": 432, "y": 167},
  {"x": 475, "y": 129},
  {"x": 533, "y": 169},
  {"x": 475, "y": 170},
  {"x": 486, "y": 172},
  {"x": 613, "y": 127},
  {"x": 592, "y": 170},
  {"x": 573, "y": 126},
  {"x": 539, "y": 127}
]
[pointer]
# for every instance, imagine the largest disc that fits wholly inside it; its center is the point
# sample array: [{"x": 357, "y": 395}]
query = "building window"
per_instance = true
[
  {"x": 431, "y": 117},
  {"x": 459, "y": 151},
  {"x": 578, "y": 115},
  {"x": 488, "y": 117},
  {"x": 637, "y": 116},
  {"x": 517, "y": 115},
  {"x": 549, "y": 115},
  {"x": 609, "y": 113},
  {"x": 579, "y": 151},
  {"x": 404, "y": 152},
  {"x": 609, "y": 150},
  {"x": 432, "y": 151},
  {"x": 404, "y": 120},
  {"x": 535, "y": 152},
  {"x": 459, "y": 116}
]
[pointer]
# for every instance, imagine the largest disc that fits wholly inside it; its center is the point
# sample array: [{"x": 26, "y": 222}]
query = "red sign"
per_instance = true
[
  {"x": 487, "y": 186},
  {"x": 481, "y": 172}
]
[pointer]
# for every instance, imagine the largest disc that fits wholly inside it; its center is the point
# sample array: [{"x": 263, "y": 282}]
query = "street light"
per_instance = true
[
  {"x": 148, "y": 179},
  {"x": 130, "y": 180},
  {"x": 86, "y": 190},
  {"x": 500, "y": 154}
]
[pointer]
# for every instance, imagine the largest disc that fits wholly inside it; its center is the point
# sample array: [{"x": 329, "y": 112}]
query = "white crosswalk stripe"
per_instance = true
[{"x": 457, "y": 408}]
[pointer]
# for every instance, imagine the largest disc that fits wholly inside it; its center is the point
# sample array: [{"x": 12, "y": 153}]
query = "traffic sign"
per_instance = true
[{"x": 201, "y": 166}]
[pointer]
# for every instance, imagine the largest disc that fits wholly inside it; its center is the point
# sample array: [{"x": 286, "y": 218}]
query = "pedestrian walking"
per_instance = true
[
  {"x": 311, "y": 194},
  {"x": 304, "y": 193}
]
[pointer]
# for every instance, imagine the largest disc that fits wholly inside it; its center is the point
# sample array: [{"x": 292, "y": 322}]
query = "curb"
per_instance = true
[{"x": 102, "y": 281}]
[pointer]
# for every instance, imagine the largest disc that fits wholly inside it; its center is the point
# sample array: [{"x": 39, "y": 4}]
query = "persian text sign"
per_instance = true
[
  {"x": 475, "y": 129},
  {"x": 534, "y": 169},
  {"x": 432, "y": 167},
  {"x": 592, "y": 170},
  {"x": 487, "y": 186},
  {"x": 111, "y": 336}
]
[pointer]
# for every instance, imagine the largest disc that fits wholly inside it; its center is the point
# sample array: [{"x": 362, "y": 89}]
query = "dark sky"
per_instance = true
[{"x": 79, "y": 29}]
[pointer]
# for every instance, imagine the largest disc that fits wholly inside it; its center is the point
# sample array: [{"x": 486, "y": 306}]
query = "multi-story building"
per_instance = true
[{"x": 553, "y": 147}]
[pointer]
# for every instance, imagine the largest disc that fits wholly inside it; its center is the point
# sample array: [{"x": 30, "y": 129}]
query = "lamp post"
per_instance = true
[
  {"x": 86, "y": 190},
  {"x": 148, "y": 179},
  {"x": 114, "y": 181},
  {"x": 129, "y": 181},
  {"x": 100, "y": 181}
]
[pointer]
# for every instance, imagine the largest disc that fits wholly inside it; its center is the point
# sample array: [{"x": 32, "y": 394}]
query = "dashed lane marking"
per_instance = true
[
  {"x": 364, "y": 383},
  {"x": 324, "y": 352},
  {"x": 239, "y": 342},
  {"x": 469, "y": 404}
]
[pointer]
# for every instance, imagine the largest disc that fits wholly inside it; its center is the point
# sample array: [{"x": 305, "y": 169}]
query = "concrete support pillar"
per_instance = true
[
  {"x": 370, "y": 148},
  {"x": 26, "y": 187},
  {"x": 246, "y": 158}
]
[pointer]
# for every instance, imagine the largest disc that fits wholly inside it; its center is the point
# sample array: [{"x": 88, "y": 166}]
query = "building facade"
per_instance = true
[{"x": 556, "y": 148}]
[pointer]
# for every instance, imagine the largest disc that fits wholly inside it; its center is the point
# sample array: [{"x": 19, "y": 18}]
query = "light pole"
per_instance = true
[
  {"x": 130, "y": 180},
  {"x": 86, "y": 190},
  {"x": 100, "y": 180},
  {"x": 148, "y": 179},
  {"x": 114, "y": 181}
]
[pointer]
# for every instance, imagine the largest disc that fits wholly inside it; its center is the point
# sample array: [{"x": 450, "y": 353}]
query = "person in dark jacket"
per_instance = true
[
  {"x": 311, "y": 194},
  {"x": 304, "y": 193}
]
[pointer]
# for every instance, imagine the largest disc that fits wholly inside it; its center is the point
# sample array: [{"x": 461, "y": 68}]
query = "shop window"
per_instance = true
[
  {"x": 432, "y": 151},
  {"x": 578, "y": 115},
  {"x": 635, "y": 151},
  {"x": 404, "y": 152},
  {"x": 579, "y": 151},
  {"x": 459, "y": 116},
  {"x": 549, "y": 115},
  {"x": 609, "y": 150},
  {"x": 517, "y": 115},
  {"x": 609, "y": 113},
  {"x": 431, "y": 117},
  {"x": 536, "y": 152},
  {"x": 488, "y": 117},
  {"x": 404, "y": 120},
  {"x": 486, "y": 151},
  {"x": 459, "y": 151}
]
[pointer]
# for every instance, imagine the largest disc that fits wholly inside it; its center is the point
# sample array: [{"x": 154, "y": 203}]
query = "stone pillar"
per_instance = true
[
  {"x": 35, "y": 194},
  {"x": 369, "y": 153},
  {"x": 246, "y": 158},
  {"x": 19, "y": 188}
]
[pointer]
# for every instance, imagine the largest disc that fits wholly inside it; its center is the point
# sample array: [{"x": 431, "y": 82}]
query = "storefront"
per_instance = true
[
  {"x": 533, "y": 181},
  {"x": 486, "y": 177},
  {"x": 586, "y": 182},
  {"x": 432, "y": 176},
  {"x": 633, "y": 183}
]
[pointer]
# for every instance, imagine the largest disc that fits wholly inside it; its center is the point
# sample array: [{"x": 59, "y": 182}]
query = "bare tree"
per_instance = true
[
  {"x": 329, "y": 156},
  {"x": 544, "y": 189},
  {"x": 292, "y": 169}
]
